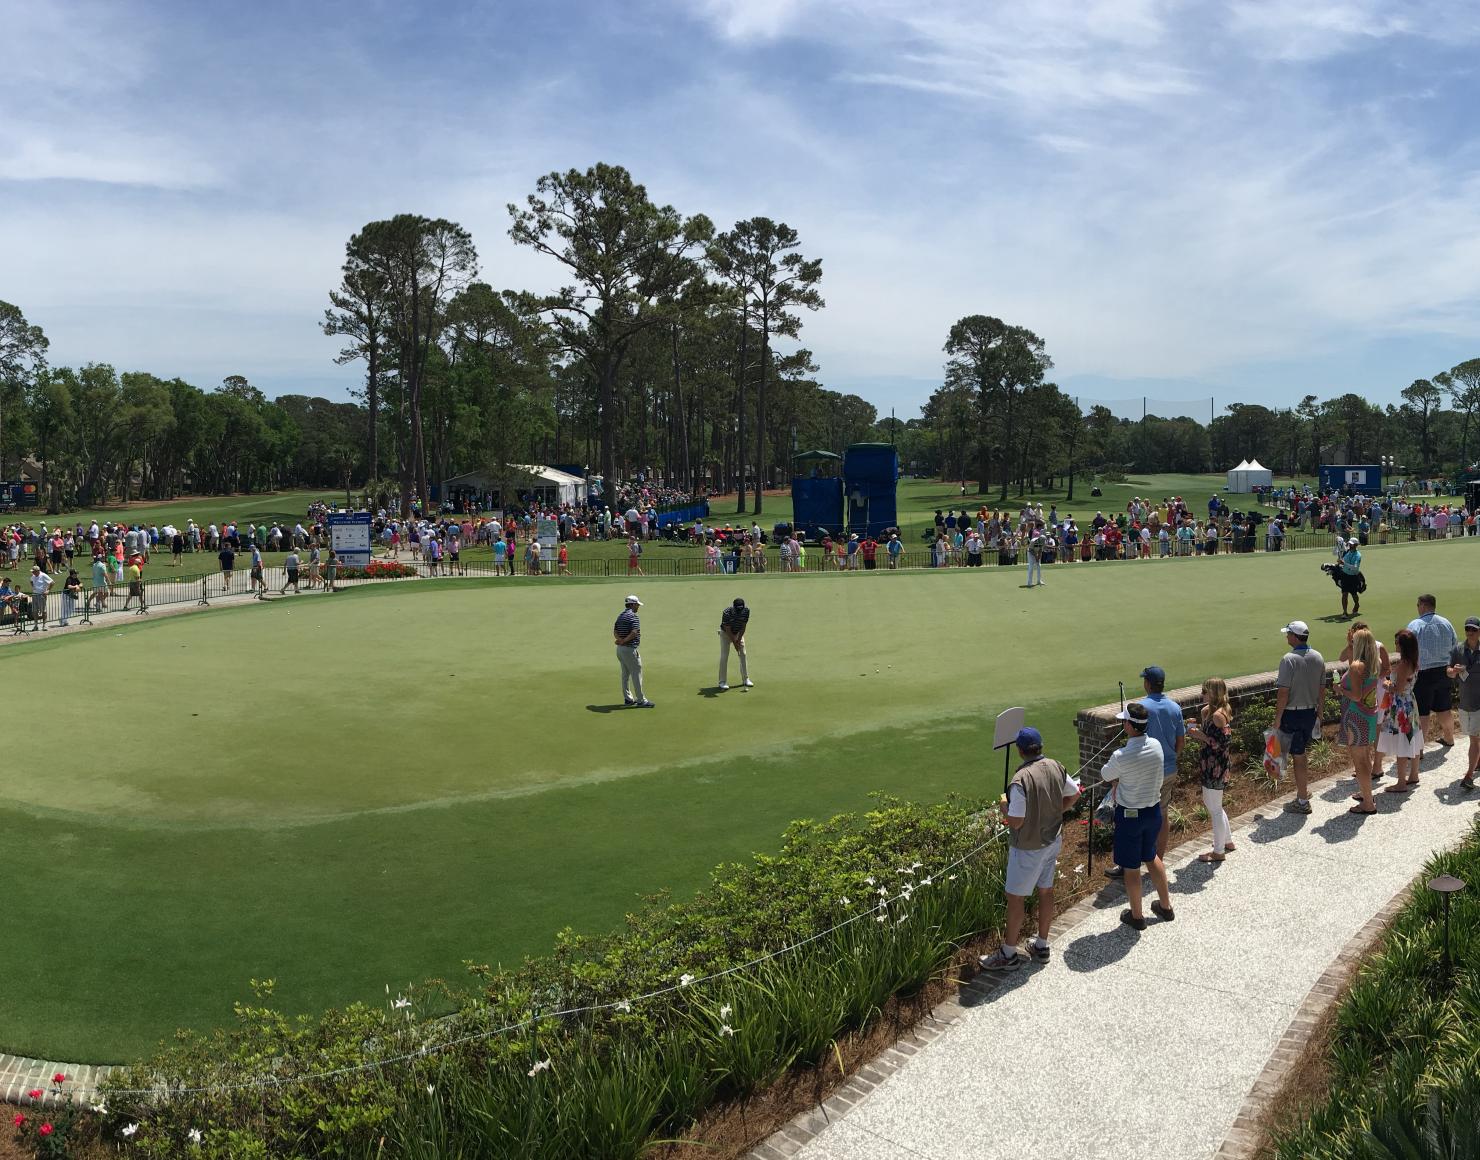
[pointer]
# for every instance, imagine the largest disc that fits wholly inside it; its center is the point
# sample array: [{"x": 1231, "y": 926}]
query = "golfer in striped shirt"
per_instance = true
[
  {"x": 732, "y": 624},
  {"x": 627, "y": 634}
]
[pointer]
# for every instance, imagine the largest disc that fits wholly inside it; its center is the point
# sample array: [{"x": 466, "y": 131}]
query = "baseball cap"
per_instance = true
[
  {"x": 633, "y": 600},
  {"x": 1297, "y": 627},
  {"x": 1472, "y": 622},
  {"x": 1029, "y": 739},
  {"x": 1154, "y": 673},
  {"x": 1353, "y": 542},
  {"x": 1135, "y": 712}
]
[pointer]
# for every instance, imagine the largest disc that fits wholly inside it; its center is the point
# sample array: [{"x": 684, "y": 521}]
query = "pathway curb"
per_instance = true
[{"x": 1246, "y": 1136}]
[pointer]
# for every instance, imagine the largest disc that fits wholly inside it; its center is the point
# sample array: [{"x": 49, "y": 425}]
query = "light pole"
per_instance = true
[{"x": 1445, "y": 885}]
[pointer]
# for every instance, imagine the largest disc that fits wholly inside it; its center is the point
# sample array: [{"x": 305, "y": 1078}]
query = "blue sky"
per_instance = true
[{"x": 1245, "y": 201}]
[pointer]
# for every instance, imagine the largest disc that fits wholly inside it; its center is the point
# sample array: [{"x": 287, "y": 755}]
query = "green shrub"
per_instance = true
[
  {"x": 604, "y": 1077},
  {"x": 1404, "y": 1061}
]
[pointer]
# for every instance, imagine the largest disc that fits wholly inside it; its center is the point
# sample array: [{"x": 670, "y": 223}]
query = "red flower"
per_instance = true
[
  {"x": 18, "y": 1119},
  {"x": 45, "y": 1129},
  {"x": 59, "y": 1078},
  {"x": 36, "y": 1093}
]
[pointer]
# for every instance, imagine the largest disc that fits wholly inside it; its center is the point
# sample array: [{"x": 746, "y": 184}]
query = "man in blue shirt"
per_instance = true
[
  {"x": 1166, "y": 726},
  {"x": 1432, "y": 691}
]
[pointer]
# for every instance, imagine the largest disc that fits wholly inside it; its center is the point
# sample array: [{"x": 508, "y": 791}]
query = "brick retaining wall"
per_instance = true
[{"x": 1097, "y": 725}]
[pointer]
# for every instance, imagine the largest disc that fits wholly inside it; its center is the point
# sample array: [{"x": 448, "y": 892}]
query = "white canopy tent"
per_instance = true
[{"x": 1248, "y": 475}]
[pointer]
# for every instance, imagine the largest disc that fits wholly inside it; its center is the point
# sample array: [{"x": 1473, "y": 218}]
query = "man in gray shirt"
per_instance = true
[
  {"x": 1301, "y": 683},
  {"x": 1464, "y": 664},
  {"x": 1431, "y": 691}
]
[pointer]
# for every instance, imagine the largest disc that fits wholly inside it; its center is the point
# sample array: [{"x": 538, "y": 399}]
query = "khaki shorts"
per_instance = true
[
  {"x": 1168, "y": 784},
  {"x": 1469, "y": 722}
]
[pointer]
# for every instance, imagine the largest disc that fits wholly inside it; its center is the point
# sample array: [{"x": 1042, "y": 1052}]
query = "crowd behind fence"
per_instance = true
[{"x": 660, "y": 559}]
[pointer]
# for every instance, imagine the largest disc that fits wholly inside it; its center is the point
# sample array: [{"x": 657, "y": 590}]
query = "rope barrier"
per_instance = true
[{"x": 592, "y": 1008}]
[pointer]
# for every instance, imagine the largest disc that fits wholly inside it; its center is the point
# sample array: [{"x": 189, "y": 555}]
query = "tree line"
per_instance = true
[
  {"x": 996, "y": 420},
  {"x": 658, "y": 353}
]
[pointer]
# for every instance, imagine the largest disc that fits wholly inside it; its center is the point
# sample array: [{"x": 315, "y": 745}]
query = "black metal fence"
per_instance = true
[{"x": 23, "y": 614}]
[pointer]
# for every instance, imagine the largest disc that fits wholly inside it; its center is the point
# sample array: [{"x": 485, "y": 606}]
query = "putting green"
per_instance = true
[{"x": 347, "y": 792}]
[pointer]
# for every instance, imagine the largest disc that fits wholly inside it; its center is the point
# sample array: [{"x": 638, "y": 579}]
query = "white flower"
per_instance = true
[
  {"x": 685, "y": 980},
  {"x": 906, "y": 892},
  {"x": 916, "y": 865},
  {"x": 726, "y": 1011},
  {"x": 870, "y": 879},
  {"x": 726, "y": 1029},
  {"x": 194, "y": 1136},
  {"x": 540, "y": 1065},
  {"x": 431, "y": 1089},
  {"x": 131, "y": 1129},
  {"x": 952, "y": 878},
  {"x": 624, "y": 1005},
  {"x": 401, "y": 1003},
  {"x": 927, "y": 880},
  {"x": 883, "y": 892},
  {"x": 844, "y": 901},
  {"x": 101, "y": 1109},
  {"x": 879, "y": 918},
  {"x": 1079, "y": 869},
  {"x": 900, "y": 919}
]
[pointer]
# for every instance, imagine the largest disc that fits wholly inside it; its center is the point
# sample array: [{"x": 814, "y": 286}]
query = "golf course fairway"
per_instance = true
[{"x": 340, "y": 793}]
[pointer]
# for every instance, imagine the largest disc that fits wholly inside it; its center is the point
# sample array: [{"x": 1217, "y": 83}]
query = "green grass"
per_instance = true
[{"x": 341, "y": 793}]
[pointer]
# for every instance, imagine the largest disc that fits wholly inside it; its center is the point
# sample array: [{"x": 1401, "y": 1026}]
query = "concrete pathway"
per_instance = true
[{"x": 1147, "y": 1044}]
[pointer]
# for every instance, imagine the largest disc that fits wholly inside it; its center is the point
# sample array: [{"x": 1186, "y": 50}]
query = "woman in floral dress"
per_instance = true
[
  {"x": 1401, "y": 732},
  {"x": 1210, "y": 731}
]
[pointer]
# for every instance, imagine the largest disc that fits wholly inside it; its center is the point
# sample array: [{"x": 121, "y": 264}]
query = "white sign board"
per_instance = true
[
  {"x": 349, "y": 536},
  {"x": 1009, "y": 721}
]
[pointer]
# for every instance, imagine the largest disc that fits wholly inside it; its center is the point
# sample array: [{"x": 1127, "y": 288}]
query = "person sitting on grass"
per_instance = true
[{"x": 1033, "y": 812}]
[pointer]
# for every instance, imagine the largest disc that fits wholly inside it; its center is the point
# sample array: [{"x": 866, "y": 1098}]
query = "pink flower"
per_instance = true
[
  {"x": 45, "y": 1129},
  {"x": 18, "y": 1119},
  {"x": 59, "y": 1078}
]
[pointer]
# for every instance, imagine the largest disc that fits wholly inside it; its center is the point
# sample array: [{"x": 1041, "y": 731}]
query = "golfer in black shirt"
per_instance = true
[{"x": 732, "y": 624}]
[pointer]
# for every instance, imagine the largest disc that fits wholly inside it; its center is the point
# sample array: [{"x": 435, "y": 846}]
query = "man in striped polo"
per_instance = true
[
  {"x": 732, "y": 624},
  {"x": 627, "y": 634}
]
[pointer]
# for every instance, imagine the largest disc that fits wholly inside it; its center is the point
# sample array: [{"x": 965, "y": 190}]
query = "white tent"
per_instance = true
[{"x": 1248, "y": 475}]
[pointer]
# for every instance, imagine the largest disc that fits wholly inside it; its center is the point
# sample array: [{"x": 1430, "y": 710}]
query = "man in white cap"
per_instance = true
[
  {"x": 627, "y": 634},
  {"x": 732, "y": 625},
  {"x": 1349, "y": 577},
  {"x": 1297, "y": 707}
]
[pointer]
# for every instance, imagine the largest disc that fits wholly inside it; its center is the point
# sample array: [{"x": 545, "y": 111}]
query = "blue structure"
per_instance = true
[
  {"x": 870, "y": 481},
  {"x": 1358, "y": 479},
  {"x": 816, "y": 493}
]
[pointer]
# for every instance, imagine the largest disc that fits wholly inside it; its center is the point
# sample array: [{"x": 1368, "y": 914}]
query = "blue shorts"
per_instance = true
[
  {"x": 1135, "y": 837},
  {"x": 1300, "y": 726}
]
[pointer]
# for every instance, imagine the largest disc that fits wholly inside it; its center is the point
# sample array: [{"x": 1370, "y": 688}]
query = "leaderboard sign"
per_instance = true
[
  {"x": 26, "y": 494},
  {"x": 349, "y": 536}
]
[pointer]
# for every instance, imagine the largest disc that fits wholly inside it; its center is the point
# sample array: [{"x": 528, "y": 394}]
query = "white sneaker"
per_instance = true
[
  {"x": 723, "y": 688},
  {"x": 749, "y": 684}
]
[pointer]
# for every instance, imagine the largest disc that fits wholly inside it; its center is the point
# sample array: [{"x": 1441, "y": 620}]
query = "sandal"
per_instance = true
[
  {"x": 1211, "y": 857},
  {"x": 1229, "y": 847},
  {"x": 1467, "y": 783},
  {"x": 1357, "y": 810},
  {"x": 1401, "y": 787}
]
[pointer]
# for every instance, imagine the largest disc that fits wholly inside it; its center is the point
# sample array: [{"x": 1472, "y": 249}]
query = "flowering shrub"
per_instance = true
[
  {"x": 691, "y": 1002},
  {"x": 378, "y": 570},
  {"x": 57, "y": 1132}
]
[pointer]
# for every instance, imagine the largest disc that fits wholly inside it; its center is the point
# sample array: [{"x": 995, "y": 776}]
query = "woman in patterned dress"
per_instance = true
[
  {"x": 1210, "y": 731},
  {"x": 1401, "y": 733},
  {"x": 1359, "y": 716}
]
